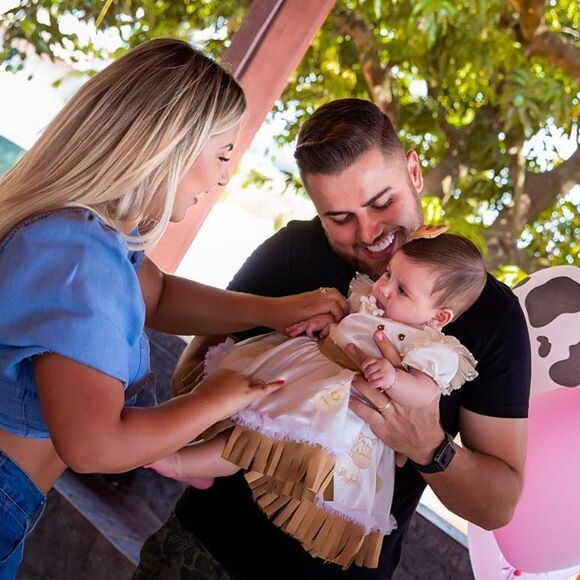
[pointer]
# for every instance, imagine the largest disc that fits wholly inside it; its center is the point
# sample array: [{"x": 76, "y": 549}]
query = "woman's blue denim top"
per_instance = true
[{"x": 68, "y": 285}]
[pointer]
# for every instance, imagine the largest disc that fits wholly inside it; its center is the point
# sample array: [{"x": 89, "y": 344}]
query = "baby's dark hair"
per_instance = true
[{"x": 458, "y": 265}]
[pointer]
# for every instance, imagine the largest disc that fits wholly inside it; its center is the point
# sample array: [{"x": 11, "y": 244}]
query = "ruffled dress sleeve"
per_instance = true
[{"x": 441, "y": 357}]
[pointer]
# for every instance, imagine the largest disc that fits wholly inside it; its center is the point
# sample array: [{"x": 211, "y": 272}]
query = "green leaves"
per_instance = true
[
  {"x": 433, "y": 17},
  {"x": 531, "y": 99},
  {"x": 510, "y": 275},
  {"x": 453, "y": 75}
]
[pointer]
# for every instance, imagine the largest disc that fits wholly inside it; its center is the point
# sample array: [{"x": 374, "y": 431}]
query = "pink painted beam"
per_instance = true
[{"x": 270, "y": 44}]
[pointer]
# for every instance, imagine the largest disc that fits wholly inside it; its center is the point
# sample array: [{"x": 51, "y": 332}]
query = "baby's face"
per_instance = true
[{"x": 404, "y": 291}]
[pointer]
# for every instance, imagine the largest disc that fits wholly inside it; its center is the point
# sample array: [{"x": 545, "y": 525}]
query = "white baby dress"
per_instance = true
[{"x": 315, "y": 468}]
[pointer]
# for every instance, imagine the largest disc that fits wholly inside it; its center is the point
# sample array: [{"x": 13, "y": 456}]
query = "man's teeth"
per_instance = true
[{"x": 382, "y": 245}]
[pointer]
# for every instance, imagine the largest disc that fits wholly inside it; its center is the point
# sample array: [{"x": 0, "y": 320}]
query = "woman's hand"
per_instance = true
[
  {"x": 178, "y": 306},
  {"x": 229, "y": 392},
  {"x": 289, "y": 310},
  {"x": 316, "y": 327}
]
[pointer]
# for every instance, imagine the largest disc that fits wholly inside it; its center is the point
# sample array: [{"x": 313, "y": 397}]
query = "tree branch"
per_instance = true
[
  {"x": 546, "y": 188},
  {"x": 539, "y": 40},
  {"x": 441, "y": 179},
  {"x": 542, "y": 190},
  {"x": 376, "y": 73},
  {"x": 438, "y": 181}
]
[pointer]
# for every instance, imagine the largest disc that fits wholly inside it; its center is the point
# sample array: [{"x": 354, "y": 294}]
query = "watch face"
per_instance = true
[
  {"x": 445, "y": 456},
  {"x": 442, "y": 458}
]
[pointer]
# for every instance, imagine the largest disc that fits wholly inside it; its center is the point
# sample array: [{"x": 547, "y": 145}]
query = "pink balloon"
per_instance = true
[
  {"x": 544, "y": 533},
  {"x": 488, "y": 563}
]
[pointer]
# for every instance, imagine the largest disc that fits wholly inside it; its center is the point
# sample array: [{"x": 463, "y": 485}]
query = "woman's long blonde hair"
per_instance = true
[{"x": 121, "y": 144}]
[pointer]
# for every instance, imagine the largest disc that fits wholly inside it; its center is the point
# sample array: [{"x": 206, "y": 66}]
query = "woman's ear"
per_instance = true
[{"x": 441, "y": 317}]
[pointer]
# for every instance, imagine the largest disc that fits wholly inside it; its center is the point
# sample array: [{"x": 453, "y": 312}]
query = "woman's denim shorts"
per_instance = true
[{"x": 21, "y": 505}]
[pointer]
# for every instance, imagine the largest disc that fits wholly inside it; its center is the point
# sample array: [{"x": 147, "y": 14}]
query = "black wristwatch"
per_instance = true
[{"x": 441, "y": 458}]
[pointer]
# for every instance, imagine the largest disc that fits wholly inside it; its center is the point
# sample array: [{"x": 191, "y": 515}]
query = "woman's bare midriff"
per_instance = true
[{"x": 37, "y": 457}]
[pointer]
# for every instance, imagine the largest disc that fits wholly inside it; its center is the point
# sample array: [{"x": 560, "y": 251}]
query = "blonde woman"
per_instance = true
[{"x": 135, "y": 148}]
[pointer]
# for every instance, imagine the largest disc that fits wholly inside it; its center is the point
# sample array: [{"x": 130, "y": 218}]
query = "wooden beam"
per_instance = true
[{"x": 270, "y": 44}]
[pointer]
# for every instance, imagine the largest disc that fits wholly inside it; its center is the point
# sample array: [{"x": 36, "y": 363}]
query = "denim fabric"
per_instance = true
[
  {"x": 68, "y": 285},
  {"x": 21, "y": 505}
]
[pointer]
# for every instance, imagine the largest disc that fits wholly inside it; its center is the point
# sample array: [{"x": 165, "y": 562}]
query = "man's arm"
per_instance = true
[{"x": 484, "y": 480}]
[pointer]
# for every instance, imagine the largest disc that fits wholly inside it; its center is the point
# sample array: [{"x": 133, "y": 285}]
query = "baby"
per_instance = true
[{"x": 308, "y": 457}]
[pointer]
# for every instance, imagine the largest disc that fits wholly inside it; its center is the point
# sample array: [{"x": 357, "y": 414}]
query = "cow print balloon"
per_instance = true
[{"x": 550, "y": 300}]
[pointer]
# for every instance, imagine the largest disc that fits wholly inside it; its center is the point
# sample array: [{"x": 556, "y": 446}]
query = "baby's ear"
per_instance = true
[{"x": 441, "y": 317}]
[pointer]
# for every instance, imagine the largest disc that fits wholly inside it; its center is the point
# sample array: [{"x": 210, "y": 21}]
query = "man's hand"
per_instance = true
[
  {"x": 414, "y": 432},
  {"x": 189, "y": 370},
  {"x": 483, "y": 482}
]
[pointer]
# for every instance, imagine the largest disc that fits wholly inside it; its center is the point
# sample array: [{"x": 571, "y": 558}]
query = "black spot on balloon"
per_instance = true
[
  {"x": 567, "y": 372},
  {"x": 557, "y": 296},
  {"x": 545, "y": 346}
]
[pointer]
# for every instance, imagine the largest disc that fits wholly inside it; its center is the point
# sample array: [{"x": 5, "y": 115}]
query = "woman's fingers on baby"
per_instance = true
[
  {"x": 275, "y": 385},
  {"x": 332, "y": 302},
  {"x": 340, "y": 304},
  {"x": 259, "y": 388}
]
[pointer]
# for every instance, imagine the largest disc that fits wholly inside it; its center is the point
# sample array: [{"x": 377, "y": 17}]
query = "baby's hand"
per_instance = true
[
  {"x": 315, "y": 327},
  {"x": 379, "y": 373}
]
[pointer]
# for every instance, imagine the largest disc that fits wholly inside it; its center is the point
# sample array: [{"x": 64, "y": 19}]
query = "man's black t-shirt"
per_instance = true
[{"x": 298, "y": 259}]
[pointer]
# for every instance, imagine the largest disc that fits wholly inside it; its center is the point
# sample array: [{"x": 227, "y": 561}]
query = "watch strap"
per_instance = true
[{"x": 441, "y": 458}]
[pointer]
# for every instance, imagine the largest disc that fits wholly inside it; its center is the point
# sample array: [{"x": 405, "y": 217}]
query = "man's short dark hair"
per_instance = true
[{"x": 339, "y": 132}]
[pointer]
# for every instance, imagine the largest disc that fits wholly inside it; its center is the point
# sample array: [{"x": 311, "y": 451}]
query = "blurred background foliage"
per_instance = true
[{"x": 486, "y": 91}]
